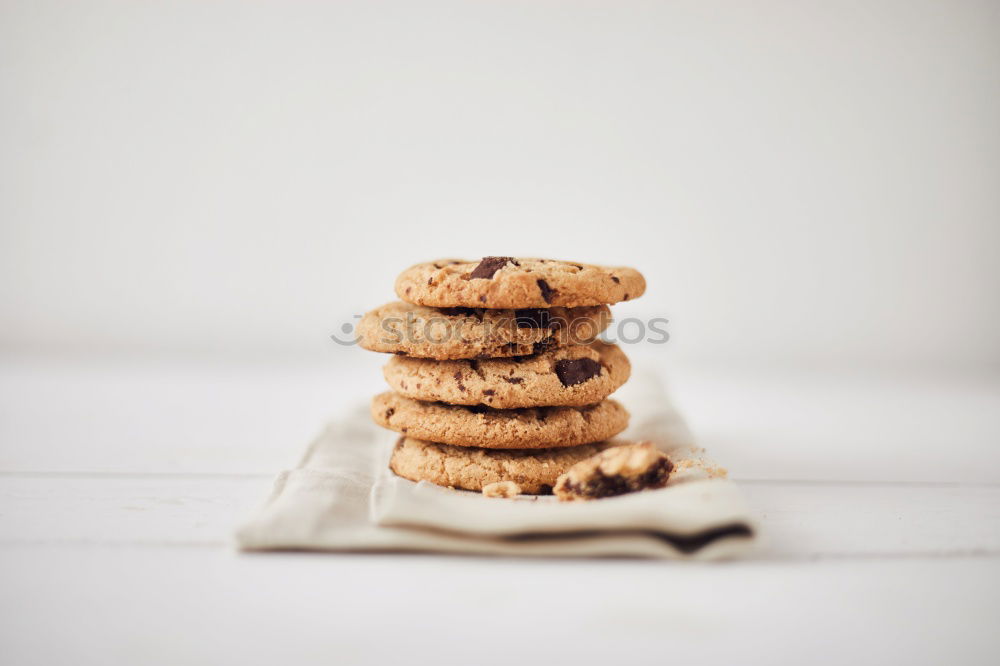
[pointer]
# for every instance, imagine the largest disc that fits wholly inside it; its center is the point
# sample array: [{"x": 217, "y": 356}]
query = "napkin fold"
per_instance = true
[{"x": 343, "y": 497}]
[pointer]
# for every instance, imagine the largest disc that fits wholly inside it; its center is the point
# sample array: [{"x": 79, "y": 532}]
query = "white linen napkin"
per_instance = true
[{"x": 343, "y": 497}]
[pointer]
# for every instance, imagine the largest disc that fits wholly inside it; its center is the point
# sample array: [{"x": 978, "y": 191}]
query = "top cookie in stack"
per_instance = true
[
  {"x": 498, "y": 375},
  {"x": 506, "y": 282}
]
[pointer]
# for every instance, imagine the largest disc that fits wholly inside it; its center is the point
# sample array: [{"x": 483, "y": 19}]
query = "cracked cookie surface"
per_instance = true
[
  {"x": 464, "y": 333},
  {"x": 534, "y": 471},
  {"x": 573, "y": 375},
  {"x": 488, "y": 428},
  {"x": 615, "y": 471},
  {"x": 516, "y": 282}
]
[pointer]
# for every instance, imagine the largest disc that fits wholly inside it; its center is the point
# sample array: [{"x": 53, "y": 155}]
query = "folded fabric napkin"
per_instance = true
[{"x": 343, "y": 497}]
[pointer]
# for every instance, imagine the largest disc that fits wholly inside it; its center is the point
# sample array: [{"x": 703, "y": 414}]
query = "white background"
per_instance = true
[
  {"x": 194, "y": 195},
  {"x": 801, "y": 182}
]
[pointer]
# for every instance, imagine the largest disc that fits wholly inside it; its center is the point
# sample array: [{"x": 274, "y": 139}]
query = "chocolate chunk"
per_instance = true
[
  {"x": 577, "y": 371},
  {"x": 617, "y": 281},
  {"x": 601, "y": 485},
  {"x": 513, "y": 380},
  {"x": 490, "y": 265},
  {"x": 389, "y": 412},
  {"x": 546, "y": 290},
  {"x": 532, "y": 318},
  {"x": 489, "y": 392},
  {"x": 657, "y": 475}
]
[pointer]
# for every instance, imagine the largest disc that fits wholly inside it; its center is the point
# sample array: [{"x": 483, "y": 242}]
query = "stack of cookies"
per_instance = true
[{"x": 499, "y": 383}]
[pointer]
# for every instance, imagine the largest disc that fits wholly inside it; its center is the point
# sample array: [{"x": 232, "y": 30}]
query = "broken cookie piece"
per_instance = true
[
  {"x": 503, "y": 489},
  {"x": 615, "y": 471}
]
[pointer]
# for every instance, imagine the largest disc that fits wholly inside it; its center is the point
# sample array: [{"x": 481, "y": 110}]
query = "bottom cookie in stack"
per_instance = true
[
  {"x": 586, "y": 471},
  {"x": 535, "y": 471}
]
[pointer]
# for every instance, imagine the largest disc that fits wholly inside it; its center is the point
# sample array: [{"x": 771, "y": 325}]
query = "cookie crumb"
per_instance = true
[
  {"x": 505, "y": 489},
  {"x": 615, "y": 471}
]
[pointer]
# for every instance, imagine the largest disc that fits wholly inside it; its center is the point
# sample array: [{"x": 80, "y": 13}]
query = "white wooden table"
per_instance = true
[{"x": 121, "y": 484}]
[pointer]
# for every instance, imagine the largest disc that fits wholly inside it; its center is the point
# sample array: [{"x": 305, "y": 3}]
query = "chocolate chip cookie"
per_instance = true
[
  {"x": 514, "y": 282},
  {"x": 535, "y": 472},
  {"x": 488, "y": 428},
  {"x": 615, "y": 471},
  {"x": 573, "y": 375},
  {"x": 463, "y": 333}
]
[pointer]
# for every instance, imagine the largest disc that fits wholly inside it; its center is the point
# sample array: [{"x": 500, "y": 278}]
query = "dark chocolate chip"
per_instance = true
[
  {"x": 489, "y": 392},
  {"x": 626, "y": 297},
  {"x": 513, "y": 380},
  {"x": 546, "y": 290},
  {"x": 532, "y": 318},
  {"x": 617, "y": 281},
  {"x": 576, "y": 371},
  {"x": 602, "y": 485},
  {"x": 458, "y": 374},
  {"x": 490, "y": 265},
  {"x": 389, "y": 412},
  {"x": 657, "y": 475}
]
